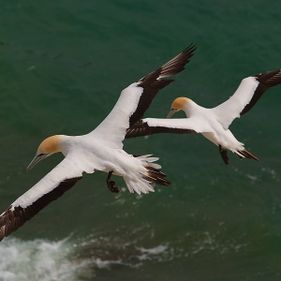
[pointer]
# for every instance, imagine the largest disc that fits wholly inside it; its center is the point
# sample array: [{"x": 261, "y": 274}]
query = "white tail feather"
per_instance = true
[{"x": 149, "y": 173}]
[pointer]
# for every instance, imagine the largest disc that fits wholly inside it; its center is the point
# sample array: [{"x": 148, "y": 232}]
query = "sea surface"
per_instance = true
[{"x": 62, "y": 67}]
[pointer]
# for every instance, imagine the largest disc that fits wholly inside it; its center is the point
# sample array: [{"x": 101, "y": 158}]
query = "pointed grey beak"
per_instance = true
[
  {"x": 171, "y": 113},
  {"x": 36, "y": 160}
]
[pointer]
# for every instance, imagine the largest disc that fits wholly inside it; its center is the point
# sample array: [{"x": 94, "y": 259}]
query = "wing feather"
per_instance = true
[
  {"x": 137, "y": 97},
  {"x": 48, "y": 189},
  {"x": 266, "y": 80},
  {"x": 150, "y": 126},
  {"x": 246, "y": 96},
  {"x": 159, "y": 79}
]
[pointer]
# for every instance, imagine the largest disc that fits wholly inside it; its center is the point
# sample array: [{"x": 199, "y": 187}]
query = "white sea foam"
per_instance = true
[
  {"x": 66, "y": 260},
  {"x": 83, "y": 259},
  {"x": 38, "y": 260},
  {"x": 106, "y": 252}
]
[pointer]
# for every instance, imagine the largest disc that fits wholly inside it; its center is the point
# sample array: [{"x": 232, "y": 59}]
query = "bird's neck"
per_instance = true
[
  {"x": 191, "y": 108},
  {"x": 66, "y": 143}
]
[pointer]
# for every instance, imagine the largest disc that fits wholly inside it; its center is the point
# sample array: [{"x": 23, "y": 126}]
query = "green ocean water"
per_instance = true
[{"x": 62, "y": 67}]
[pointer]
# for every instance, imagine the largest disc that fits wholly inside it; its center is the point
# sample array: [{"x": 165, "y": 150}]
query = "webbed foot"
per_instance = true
[{"x": 111, "y": 185}]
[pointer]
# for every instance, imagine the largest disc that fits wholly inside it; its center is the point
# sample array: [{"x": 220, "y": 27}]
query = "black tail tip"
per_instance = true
[
  {"x": 156, "y": 176},
  {"x": 248, "y": 154}
]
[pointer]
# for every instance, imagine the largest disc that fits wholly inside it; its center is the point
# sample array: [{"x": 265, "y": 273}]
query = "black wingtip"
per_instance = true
[
  {"x": 16, "y": 216},
  {"x": 266, "y": 80},
  {"x": 176, "y": 64},
  {"x": 158, "y": 79},
  {"x": 190, "y": 48},
  {"x": 269, "y": 78}
]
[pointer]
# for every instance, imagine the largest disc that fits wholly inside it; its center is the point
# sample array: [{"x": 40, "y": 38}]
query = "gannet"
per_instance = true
[
  {"x": 99, "y": 150},
  {"x": 212, "y": 123}
]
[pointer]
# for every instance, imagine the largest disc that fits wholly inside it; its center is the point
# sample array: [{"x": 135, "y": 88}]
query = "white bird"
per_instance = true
[
  {"x": 212, "y": 123},
  {"x": 101, "y": 149}
]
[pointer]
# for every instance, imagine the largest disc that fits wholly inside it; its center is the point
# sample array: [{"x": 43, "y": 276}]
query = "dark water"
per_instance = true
[{"x": 62, "y": 67}]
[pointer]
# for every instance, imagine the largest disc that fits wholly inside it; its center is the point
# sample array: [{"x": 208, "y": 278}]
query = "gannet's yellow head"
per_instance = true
[
  {"x": 46, "y": 148},
  {"x": 177, "y": 105}
]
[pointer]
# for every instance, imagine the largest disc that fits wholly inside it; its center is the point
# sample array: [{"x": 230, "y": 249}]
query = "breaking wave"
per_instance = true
[
  {"x": 38, "y": 260},
  {"x": 84, "y": 259},
  {"x": 65, "y": 260}
]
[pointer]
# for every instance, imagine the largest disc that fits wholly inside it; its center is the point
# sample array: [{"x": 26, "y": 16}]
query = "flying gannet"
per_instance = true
[
  {"x": 100, "y": 150},
  {"x": 212, "y": 123}
]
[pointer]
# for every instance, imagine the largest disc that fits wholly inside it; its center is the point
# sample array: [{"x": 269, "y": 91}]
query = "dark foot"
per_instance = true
[
  {"x": 224, "y": 156},
  {"x": 111, "y": 185}
]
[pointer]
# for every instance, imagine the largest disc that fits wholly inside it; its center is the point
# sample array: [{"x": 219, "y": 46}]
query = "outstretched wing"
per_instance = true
[
  {"x": 137, "y": 97},
  {"x": 159, "y": 79},
  {"x": 151, "y": 126},
  {"x": 246, "y": 96},
  {"x": 49, "y": 188}
]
